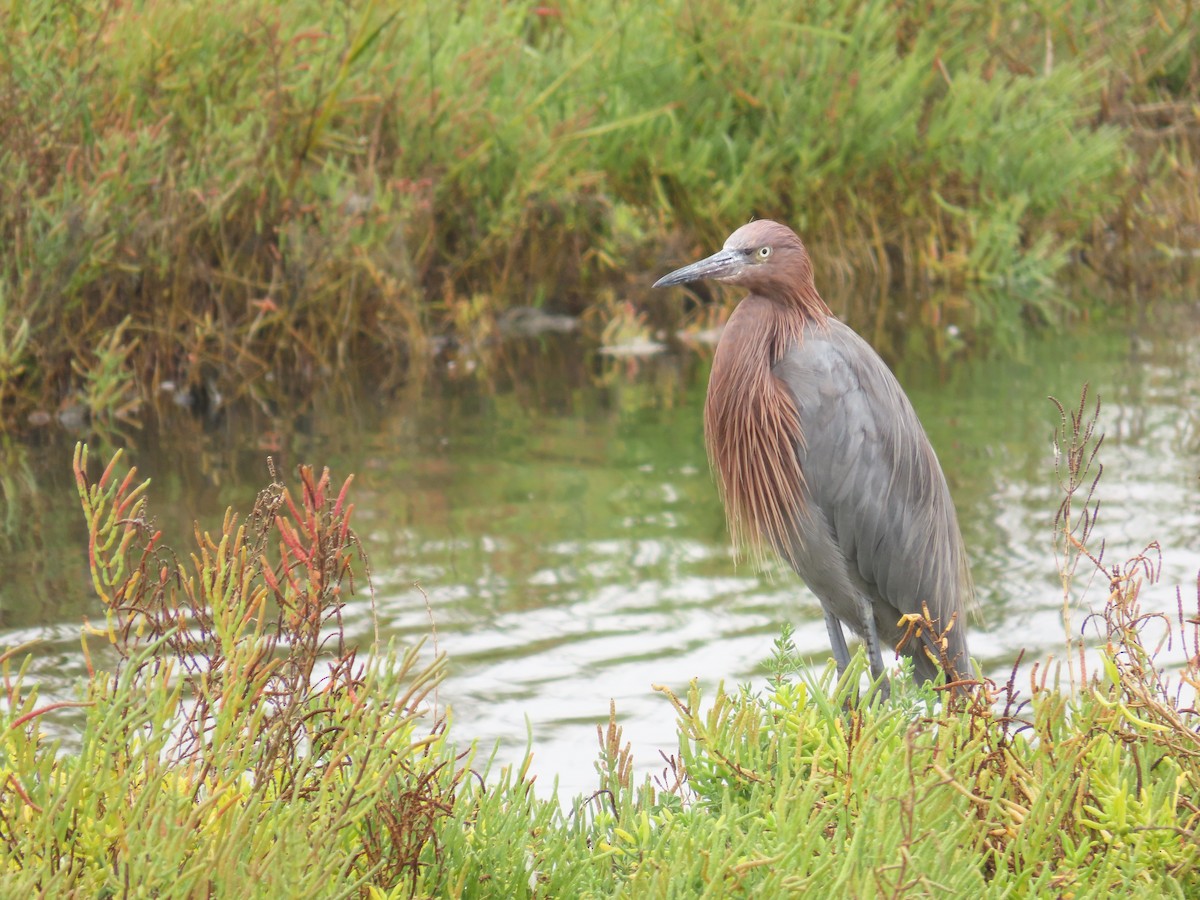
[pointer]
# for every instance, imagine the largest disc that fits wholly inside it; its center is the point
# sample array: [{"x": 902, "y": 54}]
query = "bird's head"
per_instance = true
[{"x": 763, "y": 256}]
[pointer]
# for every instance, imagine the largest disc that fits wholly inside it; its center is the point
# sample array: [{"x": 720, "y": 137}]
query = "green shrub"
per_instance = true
[
  {"x": 238, "y": 741},
  {"x": 233, "y": 742},
  {"x": 293, "y": 188}
]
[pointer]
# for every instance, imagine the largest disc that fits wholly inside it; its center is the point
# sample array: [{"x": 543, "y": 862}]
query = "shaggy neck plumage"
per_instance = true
[{"x": 751, "y": 426}]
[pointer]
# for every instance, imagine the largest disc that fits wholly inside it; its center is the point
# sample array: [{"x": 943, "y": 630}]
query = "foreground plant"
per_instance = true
[
  {"x": 239, "y": 745},
  {"x": 237, "y": 739},
  {"x": 1083, "y": 787}
]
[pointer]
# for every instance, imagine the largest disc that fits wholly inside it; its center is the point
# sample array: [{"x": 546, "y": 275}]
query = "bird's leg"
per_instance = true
[
  {"x": 867, "y": 616},
  {"x": 837, "y": 640}
]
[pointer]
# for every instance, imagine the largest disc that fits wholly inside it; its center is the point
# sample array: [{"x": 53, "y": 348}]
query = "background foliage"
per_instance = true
[{"x": 198, "y": 194}]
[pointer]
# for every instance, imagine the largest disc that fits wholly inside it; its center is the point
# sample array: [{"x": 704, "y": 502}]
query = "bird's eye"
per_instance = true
[{"x": 764, "y": 252}]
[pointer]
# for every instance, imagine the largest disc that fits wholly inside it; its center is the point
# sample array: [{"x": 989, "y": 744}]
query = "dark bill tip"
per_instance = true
[{"x": 722, "y": 264}]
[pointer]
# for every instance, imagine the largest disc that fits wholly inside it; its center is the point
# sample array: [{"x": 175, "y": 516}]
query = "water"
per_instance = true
[{"x": 560, "y": 518}]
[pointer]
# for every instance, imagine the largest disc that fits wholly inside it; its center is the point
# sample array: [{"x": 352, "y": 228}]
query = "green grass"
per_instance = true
[
  {"x": 199, "y": 194},
  {"x": 234, "y": 742}
]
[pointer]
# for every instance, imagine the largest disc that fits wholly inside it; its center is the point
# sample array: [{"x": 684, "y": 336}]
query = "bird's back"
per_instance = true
[{"x": 878, "y": 519}]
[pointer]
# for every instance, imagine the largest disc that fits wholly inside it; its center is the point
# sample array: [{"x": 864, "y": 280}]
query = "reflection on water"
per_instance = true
[{"x": 562, "y": 522}]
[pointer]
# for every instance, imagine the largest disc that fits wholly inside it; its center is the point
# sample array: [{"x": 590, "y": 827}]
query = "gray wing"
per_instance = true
[{"x": 880, "y": 518}]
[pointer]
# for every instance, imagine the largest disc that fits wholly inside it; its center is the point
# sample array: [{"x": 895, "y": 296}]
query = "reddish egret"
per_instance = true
[{"x": 819, "y": 455}]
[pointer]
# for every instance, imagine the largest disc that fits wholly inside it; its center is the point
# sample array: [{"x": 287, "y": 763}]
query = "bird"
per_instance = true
[{"x": 819, "y": 455}]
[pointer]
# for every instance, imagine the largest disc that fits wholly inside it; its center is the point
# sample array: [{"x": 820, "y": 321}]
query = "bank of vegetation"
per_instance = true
[
  {"x": 235, "y": 742},
  {"x": 210, "y": 196}
]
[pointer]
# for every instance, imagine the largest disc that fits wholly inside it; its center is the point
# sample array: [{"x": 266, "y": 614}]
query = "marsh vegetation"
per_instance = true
[{"x": 243, "y": 198}]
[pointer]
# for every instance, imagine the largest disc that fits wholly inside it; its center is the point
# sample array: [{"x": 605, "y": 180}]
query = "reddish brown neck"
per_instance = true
[
  {"x": 804, "y": 301},
  {"x": 750, "y": 423}
]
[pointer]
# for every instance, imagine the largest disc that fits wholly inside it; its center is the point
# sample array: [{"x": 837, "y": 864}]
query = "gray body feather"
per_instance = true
[{"x": 878, "y": 519}]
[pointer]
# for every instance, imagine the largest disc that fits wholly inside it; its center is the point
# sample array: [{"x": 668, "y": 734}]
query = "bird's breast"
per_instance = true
[{"x": 752, "y": 429}]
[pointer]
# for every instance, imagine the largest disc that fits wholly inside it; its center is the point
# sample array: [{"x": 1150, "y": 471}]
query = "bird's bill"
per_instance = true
[{"x": 720, "y": 265}]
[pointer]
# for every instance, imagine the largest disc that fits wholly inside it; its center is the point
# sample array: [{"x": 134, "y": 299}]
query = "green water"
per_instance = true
[{"x": 560, "y": 517}]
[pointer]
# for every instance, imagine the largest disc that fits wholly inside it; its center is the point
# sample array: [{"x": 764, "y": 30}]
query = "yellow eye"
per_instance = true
[{"x": 764, "y": 252}]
